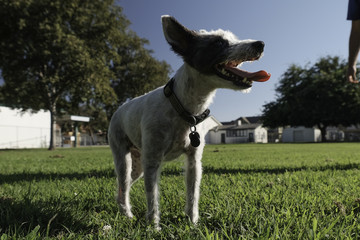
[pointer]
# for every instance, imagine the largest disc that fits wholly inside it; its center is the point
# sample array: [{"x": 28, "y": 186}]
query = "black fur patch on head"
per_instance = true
[
  {"x": 207, "y": 51},
  {"x": 201, "y": 51}
]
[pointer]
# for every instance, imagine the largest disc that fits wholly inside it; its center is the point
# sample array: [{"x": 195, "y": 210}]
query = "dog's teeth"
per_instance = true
[
  {"x": 223, "y": 71},
  {"x": 245, "y": 80}
]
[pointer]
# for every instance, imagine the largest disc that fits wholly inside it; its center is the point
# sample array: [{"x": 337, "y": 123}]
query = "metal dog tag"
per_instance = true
[{"x": 194, "y": 139}]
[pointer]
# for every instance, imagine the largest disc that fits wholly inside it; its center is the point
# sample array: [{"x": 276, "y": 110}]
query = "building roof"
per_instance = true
[
  {"x": 241, "y": 123},
  {"x": 238, "y": 127},
  {"x": 245, "y": 120}
]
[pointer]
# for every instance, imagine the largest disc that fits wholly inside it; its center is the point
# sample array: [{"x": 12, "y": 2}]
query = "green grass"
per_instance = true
[{"x": 248, "y": 191}]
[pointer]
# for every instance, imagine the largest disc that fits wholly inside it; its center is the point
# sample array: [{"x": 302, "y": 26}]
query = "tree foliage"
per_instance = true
[
  {"x": 61, "y": 54},
  {"x": 137, "y": 71},
  {"x": 315, "y": 95}
]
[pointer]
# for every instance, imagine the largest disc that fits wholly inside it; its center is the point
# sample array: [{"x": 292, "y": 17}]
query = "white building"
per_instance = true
[
  {"x": 301, "y": 134},
  {"x": 24, "y": 129},
  {"x": 242, "y": 130},
  {"x": 208, "y": 124}
]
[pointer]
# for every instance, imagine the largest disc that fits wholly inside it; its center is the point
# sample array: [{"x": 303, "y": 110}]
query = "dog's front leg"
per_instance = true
[
  {"x": 193, "y": 179},
  {"x": 151, "y": 166}
]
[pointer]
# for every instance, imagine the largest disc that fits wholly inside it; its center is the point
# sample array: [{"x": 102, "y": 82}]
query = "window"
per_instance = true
[{"x": 236, "y": 133}]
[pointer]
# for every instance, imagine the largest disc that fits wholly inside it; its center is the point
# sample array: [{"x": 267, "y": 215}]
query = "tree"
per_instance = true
[
  {"x": 137, "y": 72},
  {"x": 61, "y": 54},
  {"x": 56, "y": 52},
  {"x": 314, "y": 96}
]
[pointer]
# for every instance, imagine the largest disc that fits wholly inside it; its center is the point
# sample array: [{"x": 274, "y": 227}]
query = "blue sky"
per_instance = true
[{"x": 294, "y": 32}]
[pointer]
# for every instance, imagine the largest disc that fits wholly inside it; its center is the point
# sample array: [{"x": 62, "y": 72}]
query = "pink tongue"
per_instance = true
[{"x": 260, "y": 76}]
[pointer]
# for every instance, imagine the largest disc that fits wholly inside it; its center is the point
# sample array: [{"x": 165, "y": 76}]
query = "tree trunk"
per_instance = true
[
  {"x": 323, "y": 133},
  {"x": 52, "y": 128}
]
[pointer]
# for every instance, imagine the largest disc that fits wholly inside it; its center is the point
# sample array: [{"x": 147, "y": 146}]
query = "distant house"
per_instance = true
[
  {"x": 210, "y": 123},
  {"x": 24, "y": 129},
  {"x": 352, "y": 133},
  {"x": 337, "y": 134},
  {"x": 301, "y": 134},
  {"x": 333, "y": 134},
  {"x": 275, "y": 134},
  {"x": 241, "y": 130}
]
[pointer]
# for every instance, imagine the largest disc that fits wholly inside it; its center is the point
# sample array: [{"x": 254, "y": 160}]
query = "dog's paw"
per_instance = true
[
  {"x": 126, "y": 211},
  {"x": 195, "y": 220},
  {"x": 157, "y": 228},
  {"x": 194, "y": 217},
  {"x": 129, "y": 214}
]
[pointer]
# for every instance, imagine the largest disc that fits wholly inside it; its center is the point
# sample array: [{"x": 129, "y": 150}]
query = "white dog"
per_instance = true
[{"x": 167, "y": 122}]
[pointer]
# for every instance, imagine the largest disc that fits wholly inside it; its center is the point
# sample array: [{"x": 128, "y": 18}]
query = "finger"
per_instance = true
[{"x": 352, "y": 79}]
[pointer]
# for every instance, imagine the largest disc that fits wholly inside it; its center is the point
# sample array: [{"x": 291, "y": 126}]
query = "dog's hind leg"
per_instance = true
[
  {"x": 137, "y": 170},
  {"x": 123, "y": 165},
  {"x": 193, "y": 179}
]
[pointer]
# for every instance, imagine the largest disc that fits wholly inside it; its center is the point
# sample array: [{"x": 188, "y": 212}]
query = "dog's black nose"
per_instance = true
[{"x": 259, "y": 45}]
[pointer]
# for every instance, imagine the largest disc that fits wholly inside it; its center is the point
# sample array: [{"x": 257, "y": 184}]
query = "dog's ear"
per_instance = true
[{"x": 179, "y": 37}]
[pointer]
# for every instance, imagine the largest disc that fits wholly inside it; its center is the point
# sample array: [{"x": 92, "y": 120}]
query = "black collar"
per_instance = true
[{"x": 175, "y": 102}]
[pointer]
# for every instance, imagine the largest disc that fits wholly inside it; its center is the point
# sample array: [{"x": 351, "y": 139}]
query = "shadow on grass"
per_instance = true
[
  {"x": 281, "y": 170},
  {"x": 21, "y": 217},
  {"x": 109, "y": 173},
  {"x": 29, "y": 176}
]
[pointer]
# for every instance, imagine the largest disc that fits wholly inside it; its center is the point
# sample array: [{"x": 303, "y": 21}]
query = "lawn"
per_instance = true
[{"x": 248, "y": 191}]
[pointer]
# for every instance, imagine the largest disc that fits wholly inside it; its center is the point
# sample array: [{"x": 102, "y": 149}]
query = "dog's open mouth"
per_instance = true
[{"x": 241, "y": 78}]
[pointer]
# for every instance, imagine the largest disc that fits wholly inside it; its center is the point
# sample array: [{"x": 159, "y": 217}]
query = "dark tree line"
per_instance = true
[{"x": 317, "y": 95}]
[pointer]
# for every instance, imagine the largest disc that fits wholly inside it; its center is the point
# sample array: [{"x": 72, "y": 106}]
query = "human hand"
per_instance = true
[{"x": 351, "y": 75}]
